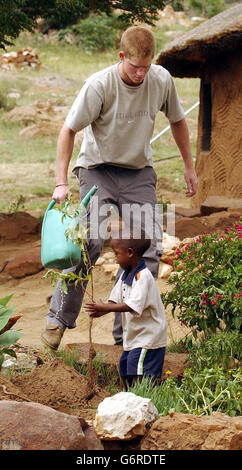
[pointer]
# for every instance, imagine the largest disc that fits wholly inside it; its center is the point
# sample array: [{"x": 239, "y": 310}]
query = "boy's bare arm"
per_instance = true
[{"x": 95, "y": 309}]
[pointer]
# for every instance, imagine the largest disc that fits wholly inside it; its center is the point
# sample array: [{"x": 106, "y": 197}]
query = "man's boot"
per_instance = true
[{"x": 52, "y": 335}]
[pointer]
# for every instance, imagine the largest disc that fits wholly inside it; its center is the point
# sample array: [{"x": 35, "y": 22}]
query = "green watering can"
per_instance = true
[{"x": 57, "y": 251}]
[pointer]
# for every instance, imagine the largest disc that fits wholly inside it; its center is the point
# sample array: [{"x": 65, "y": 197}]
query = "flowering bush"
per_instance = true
[{"x": 207, "y": 282}]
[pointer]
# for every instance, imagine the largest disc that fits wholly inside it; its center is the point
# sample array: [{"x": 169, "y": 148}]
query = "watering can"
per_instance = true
[{"x": 56, "y": 250}]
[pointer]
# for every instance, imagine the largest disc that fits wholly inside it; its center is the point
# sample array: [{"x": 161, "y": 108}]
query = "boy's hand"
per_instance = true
[{"x": 95, "y": 309}]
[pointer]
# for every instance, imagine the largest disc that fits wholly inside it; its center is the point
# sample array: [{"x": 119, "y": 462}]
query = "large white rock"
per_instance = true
[{"x": 124, "y": 416}]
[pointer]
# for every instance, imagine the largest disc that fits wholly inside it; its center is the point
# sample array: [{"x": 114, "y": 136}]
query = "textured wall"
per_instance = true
[{"x": 220, "y": 168}]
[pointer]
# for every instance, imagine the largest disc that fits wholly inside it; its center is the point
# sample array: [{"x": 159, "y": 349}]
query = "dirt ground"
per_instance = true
[
  {"x": 31, "y": 292},
  {"x": 52, "y": 382}
]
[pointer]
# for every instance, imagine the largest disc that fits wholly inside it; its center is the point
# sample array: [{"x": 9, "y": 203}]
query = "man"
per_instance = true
[{"x": 116, "y": 108}]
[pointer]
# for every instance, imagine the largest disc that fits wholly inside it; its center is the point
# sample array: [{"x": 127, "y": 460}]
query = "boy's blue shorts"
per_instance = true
[{"x": 142, "y": 361}]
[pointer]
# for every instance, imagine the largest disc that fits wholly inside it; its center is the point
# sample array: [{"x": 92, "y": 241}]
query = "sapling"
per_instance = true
[{"x": 78, "y": 233}]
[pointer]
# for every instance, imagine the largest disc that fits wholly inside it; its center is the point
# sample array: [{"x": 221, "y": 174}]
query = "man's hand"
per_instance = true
[
  {"x": 181, "y": 136},
  {"x": 191, "y": 181},
  {"x": 60, "y": 193}
]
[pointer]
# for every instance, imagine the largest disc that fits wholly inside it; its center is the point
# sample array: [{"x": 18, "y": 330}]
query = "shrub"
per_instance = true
[
  {"x": 8, "y": 335},
  {"x": 200, "y": 393},
  {"x": 96, "y": 33},
  {"x": 216, "y": 350},
  {"x": 207, "y": 8},
  {"x": 207, "y": 282}
]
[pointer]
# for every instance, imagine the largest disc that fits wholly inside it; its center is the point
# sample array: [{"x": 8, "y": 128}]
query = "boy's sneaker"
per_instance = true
[{"x": 52, "y": 335}]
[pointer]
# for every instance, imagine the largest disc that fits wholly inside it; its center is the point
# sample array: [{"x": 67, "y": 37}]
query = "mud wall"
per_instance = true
[{"x": 219, "y": 158}]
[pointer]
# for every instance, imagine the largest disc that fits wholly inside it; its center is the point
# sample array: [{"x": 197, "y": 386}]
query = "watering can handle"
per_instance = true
[{"x": 84, "y": 202}]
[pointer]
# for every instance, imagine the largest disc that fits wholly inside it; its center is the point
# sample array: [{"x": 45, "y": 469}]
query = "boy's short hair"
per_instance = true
[
  {"x": 138, "y": 41},
  {"x": 130, "y": 240}
]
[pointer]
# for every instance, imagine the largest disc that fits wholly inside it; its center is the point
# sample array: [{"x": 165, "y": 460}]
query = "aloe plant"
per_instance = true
[{"x": 8, "y": 335}]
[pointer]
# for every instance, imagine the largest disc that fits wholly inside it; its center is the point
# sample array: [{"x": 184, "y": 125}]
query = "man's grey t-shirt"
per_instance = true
[{"x": 118, "y": 119}]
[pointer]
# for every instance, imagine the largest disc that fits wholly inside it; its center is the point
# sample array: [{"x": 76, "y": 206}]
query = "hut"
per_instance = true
[{"x": 213, "y": 52}]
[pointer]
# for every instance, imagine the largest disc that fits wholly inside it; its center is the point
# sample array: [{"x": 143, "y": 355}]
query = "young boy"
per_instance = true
[{"x": 144, "y": 323}]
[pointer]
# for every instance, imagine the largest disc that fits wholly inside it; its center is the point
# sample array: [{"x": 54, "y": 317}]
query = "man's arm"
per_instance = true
[
  {"x": 64, "y": 152},
  {"x": 181, "y": 136}
]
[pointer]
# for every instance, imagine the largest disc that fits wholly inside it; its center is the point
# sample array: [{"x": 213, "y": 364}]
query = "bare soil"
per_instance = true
[
  {"x": 52, "y": 382},
  {"x": 31, "y": 294}
]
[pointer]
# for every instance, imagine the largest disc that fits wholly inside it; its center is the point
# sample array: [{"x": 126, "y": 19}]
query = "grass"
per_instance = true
[
  {"x": 107, "y": 375},
  {"x": 27, "y": 166}
]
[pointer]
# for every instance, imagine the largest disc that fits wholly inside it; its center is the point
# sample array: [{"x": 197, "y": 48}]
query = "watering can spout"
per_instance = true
[{"x": 57, "y": 251}]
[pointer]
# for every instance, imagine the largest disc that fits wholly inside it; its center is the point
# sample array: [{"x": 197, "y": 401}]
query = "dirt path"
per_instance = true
[{"x": 30, "y": 299}]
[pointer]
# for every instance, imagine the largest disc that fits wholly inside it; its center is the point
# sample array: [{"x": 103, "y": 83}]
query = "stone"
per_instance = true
[
  {"x": 100, "y": 261},
  {"x": 111, "y": 269},
  {"x": 168, "y": 256},
  {"x": 219, "y": 203},
  {"x": 18, "y": 225},
  {"x": 22, "y": 361},
  {"x": 35, "y": 131},
  {"x": 187, "y": 211},
  {"x": 26, "y": 263},
  {"x": 32, "y": 426},
  {"x": 124, "y": 416},
  {"x": 165, "y": 270},
  {"x": 169, "y": 242},
  {"x": 190, "y": 432}
]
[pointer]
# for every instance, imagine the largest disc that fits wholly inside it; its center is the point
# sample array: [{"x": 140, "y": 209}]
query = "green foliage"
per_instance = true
[
  {"x": 7, "y": 336},
  {"x": 207, "y": 282},
  {"x": 96, "y": 33},
  {"x": 77, "y": 232},
  {"x": 207, "y": 8},
  {"x": 216, "y": 350},
  {"x": 199, "y": 393},
  {"x": 13, "y": 20},
  {"x": 209, "y": 383},
  {"x": 164, "y": 396},
  {"x": 16, "y": 205},
  {"x": 19, "y": 15}
]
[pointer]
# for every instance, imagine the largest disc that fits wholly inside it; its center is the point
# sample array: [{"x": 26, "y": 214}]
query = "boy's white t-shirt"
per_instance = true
[
  {"x": 118, "y": 119},
  {"x": 146, "y": 326}
]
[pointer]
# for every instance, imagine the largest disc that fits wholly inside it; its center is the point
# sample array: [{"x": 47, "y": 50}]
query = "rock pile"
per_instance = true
[
  {"x": 25, "y": 57},
  {"x": 42, "y": 118}
]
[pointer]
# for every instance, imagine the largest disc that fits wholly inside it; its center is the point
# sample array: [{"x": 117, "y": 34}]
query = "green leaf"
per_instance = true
[
  {"x": 1, "y": 359},
  {"x": 5, "y": 300},
  {"x": 5, "y": 314},
  {"x": 9, "y": 337},
  {"x": 10, "y": 352}
]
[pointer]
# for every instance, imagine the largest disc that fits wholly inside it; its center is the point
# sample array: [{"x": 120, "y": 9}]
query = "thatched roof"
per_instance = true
[{"x": 186, "y": 55}]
